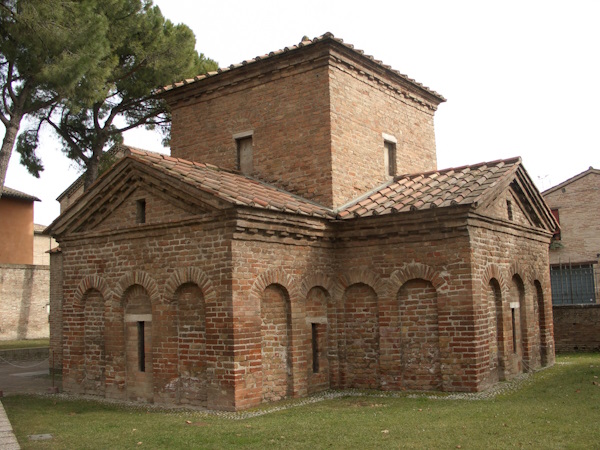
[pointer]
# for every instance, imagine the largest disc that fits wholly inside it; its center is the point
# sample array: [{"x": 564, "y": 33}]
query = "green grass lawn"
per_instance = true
[
  {"x": 555, "y": 408},
  {"x": 24, "y": 343}
]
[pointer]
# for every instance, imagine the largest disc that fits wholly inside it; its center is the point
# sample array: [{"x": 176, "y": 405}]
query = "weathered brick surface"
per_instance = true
[
  {"x": 422, "y": 300},
  {"x": 317, "y": 119},
  {"x": 240, "y": 305},
  {"x": 56, "y": 313},
  {"x": 578, "y": 203},
  {"x": 24, "y": 301},
  {"x": 576, "y": 327}
]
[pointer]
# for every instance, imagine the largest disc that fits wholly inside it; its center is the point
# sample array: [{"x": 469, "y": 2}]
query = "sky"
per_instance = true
[{"x": 521, "y": 78}]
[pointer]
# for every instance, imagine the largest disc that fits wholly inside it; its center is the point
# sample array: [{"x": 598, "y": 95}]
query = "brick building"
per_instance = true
[
  {"x": 574, "y": 261},
  {"x": 301, "y": 238},
  {"x": 24, "y": 271}
]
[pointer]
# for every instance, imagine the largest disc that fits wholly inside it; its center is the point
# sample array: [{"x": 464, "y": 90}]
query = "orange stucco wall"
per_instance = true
[{"x": 16, "y": 231}]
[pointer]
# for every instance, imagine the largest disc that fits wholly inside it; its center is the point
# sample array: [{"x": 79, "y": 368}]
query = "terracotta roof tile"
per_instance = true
[
  {"x": 304, "y": 43},
  {"x": 451, "y": 187},
  {"x": 13, "y": 193},
  {"x": 231, "y": 186}
]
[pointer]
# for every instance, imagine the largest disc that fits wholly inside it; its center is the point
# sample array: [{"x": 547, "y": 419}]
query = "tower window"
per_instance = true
[
  {"x": 244, "y": 153},
  {"x": 389, "y": 154},
  {"x": 390, "y": 158}
]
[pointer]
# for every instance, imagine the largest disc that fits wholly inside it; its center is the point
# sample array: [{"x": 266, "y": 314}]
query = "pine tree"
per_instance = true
[
  {"x": 146, "y": 52},
  {"x": 47, "y": 50}
]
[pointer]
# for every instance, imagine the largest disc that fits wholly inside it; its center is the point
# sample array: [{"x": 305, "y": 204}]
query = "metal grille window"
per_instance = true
[{"x": 573, "y": 284}]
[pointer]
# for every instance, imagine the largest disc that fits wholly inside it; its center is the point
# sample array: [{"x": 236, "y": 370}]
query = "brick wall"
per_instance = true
[
  {"x": 578, "y": 203},
  {"x": 24, "y": 299},
  {"x": 576, "y": 327},
  {"x": 316, "y": 118},
  {"x": 99, "y": 274},
  {"x": 56, "y": 318},
  {"x": 286, "y": 109},
  {"x": 363, "y": 108}
]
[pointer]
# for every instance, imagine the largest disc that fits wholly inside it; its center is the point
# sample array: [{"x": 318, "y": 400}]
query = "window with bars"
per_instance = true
[{"x": 573, "y": 284}]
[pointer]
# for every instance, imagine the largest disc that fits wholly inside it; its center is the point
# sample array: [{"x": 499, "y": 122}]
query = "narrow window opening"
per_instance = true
[
  {"x": 509, "y": 209},
  {"x": 141, "y": 347},
  {"x": 390, "y": 158},
  {"x": 514, "y": 330},
  {"x": 141, "y": 211},
  {"x": 315, "y": 347},
  {"x": 556, "y": 235},
  {"x": 244, "y": 155}
]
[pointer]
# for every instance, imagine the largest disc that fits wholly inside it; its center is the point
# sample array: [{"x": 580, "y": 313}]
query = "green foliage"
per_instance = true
[
  {"x": 24, "y": 343},
  {"x": 88, "y": 68},
  {"x": 555, "y": 408},
  {"x": 147, "y": 51},
  {"x": 48, "y": 51},
  {"x": 27, "y": 142}
]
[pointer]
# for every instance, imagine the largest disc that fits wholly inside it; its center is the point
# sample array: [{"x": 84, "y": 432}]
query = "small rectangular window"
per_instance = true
[
  {"x": 514, "y": 330},
  {"x": 509, "y": 209},
  {"x": 140, "y": 213},
  {"x": 390, "y": 158},
  {"x": 244, "y": 155},
  {"x": 315, "y": 347},
  {"x": 141, "y": 346}
]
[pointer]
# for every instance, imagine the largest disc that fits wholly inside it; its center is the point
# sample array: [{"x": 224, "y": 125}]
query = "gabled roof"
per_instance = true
[
  {"x": 231, "y": 186},
  {"x": 466, "y": 185},
  {"x": 571, "y": 180},
  {"x": 472, "y": 186},
  {"x": 115, "y": 150},
  {"x": 13, "y": 193},
  {"x": 306, "y": 42}
]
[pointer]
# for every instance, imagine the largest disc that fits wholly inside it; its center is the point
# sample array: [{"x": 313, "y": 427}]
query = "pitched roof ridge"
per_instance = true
[
  {"x": 13, "y": 193},
  {"x": 305, "y": 41},
  {"x": 571, "y": 179},
  {"x": 213, "y": 168},
  {"x": 437, "y": 172}
]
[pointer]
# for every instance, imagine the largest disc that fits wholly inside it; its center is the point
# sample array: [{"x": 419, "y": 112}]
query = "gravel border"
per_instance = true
[{"x": 501, "y": 388}]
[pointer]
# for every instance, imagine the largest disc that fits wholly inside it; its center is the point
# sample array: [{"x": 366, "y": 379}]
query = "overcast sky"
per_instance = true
[{"x": 521, "y": 78}]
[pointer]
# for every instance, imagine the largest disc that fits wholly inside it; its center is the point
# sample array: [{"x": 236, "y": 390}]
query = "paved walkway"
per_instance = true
[{"x": 20, "y": 377}]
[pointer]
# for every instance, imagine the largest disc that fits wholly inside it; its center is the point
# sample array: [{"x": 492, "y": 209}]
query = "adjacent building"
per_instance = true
[
  {"x": 24, "y": 271},
  {"x": 574, "y": 261}
]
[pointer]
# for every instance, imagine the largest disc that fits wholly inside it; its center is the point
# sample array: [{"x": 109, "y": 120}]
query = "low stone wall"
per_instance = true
[
  {"x": 24, "y": 354},
  {"x": 576, "y": 327},
  {"x": 24, "y": 301}
]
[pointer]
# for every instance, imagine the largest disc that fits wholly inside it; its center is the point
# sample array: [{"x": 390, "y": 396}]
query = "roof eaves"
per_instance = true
[
  {"x": 18, "y": 195},
  {"x": 571, "y": 180},
  {"x": 304, "y": 43}
]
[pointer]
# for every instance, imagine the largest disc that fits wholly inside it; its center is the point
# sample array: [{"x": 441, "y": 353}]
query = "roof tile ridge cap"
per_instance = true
[
  {"x": 516, "y": 159},
  {"x": 512, "y": 165},
  {"x": 570, "y": 180}
]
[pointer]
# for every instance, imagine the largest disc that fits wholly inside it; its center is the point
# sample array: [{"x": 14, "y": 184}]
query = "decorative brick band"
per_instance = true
[
  {"x": 190, "y": 275},
  {"x": 274, "y": 276},
  {"x": 141, "y": 278},
  {"x": 414, "y": 270},
  {"x": 363, "y": 276},
  {"x": 316, "y": 279},
  {"x": 493, "y": 272},
  {"x": 91, "y": 282}
]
